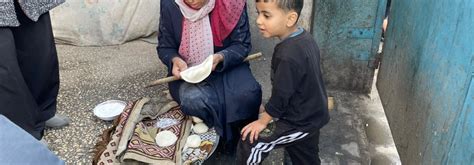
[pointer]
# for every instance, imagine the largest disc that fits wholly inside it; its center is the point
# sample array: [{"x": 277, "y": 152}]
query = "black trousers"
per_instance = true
[
  {"x": 301, "y": 146},
  {"x": 29, "y": 73}
]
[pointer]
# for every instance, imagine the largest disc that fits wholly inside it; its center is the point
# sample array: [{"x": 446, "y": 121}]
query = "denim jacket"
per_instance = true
[{"x": 32, "y": 8}]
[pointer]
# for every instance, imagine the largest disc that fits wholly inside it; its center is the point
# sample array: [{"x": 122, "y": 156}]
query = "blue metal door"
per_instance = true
[
  {"x": 348, "y": 33},
  {"x": 426, "y": 80}
]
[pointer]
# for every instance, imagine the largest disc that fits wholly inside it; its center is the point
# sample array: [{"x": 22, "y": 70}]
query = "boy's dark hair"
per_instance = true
[{"x": 288, "y": 5}]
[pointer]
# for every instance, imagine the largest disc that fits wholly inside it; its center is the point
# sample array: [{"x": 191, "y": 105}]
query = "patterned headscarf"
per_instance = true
[
  {"x": 200, "y": 33},
  {"x": 224, "y": 18},
  {"x": 196, "y": 39}
]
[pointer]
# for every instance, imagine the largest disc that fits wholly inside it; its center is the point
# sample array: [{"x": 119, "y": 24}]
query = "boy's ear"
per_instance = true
[{"x": 292, "y": 19}]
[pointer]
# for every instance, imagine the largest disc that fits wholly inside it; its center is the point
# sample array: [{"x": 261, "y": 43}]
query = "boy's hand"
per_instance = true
[
  {"x": 254, "y": 129},
  {"x": 218, "y": 58},
  {"x": 178, "y": 66}
]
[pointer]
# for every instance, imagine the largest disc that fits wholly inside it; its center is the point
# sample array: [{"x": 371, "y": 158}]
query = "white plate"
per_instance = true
[{"x": 109, "y": 110}]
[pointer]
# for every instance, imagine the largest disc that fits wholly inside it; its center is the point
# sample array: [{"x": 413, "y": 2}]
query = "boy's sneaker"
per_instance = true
[{"x": 58, "y": 121}]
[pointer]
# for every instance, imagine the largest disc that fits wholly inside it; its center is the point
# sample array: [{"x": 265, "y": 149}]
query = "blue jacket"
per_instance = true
[{"x": 238, "y": 93}]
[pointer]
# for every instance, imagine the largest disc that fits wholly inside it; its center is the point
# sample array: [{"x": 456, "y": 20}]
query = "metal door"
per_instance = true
[{"x": 348, "y": 33}]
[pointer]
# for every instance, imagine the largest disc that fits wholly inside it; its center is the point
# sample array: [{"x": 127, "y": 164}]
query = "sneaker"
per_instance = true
[{"x": 58, "y": 121}]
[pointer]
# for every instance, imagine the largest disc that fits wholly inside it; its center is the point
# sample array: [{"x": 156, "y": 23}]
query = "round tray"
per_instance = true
[{"x": 210, "y": 135}]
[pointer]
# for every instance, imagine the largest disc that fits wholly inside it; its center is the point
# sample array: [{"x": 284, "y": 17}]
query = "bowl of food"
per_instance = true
[{"x": 109, "y": 110}]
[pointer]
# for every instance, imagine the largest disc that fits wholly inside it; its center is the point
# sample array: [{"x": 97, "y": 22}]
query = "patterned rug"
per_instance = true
[
  {"x": 142, "y": 146},
  {"x": 107, "y": 156},
  {"x": 132, "y": 138}
]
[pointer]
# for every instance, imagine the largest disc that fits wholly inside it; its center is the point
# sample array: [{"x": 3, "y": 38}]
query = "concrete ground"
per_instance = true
[{"x": 358, "y": 132}]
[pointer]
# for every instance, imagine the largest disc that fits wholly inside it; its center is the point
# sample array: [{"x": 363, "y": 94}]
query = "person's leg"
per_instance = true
[
  {"x": 38, "y": 62},
  {"x": 230, "y": 146},
  {"x": 201, "y": 100},
  {"x": 20, "y": 148},
  {"x": 243, "y": 97},
  {"x": 243, "y": 94},
  {"x": 16, "y": 101},
  {"x": 282, "y": 136},
  {"x": 305, "y": 151}
]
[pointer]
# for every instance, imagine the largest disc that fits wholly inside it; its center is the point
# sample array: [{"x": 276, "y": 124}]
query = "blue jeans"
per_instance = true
[{"x": 19, "y": 147}]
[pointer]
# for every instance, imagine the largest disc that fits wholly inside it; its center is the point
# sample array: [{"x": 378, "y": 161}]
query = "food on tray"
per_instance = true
[
  {"x": 206, "y": 146},
  {"x": 197, "y": 119},
  {"x": 200, "y": 128},
  {"x": 165, "y": 138},
  {"x": 193, "y": 141}
]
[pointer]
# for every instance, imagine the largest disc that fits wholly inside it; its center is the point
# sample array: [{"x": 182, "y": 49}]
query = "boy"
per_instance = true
[{"x": 298, "y": 98}]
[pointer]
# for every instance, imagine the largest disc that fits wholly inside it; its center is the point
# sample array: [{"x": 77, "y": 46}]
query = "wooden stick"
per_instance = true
[{"x": 172, "y": 78}]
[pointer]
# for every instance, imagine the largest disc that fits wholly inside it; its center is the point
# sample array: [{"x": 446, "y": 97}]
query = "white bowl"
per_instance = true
[{"x": 109, "y": 110}]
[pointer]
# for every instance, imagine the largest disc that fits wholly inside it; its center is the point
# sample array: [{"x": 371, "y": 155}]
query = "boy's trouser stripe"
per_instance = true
[{"x": 256, "y": 154}]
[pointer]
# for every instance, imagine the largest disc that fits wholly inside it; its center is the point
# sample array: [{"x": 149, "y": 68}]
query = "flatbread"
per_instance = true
[
  {"x": 199, "y": 72},
  {"x": 193, "y": 141},
  {"x": 197, "y": 119},
  {"x": 200, "y": 128},
  {"x": 165, "y": 138}
]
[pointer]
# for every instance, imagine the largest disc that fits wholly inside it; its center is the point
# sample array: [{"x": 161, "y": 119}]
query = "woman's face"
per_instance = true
[{"x": 196, "y": 4}]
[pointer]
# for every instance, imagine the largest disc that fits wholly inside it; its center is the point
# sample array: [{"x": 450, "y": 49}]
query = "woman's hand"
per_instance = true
[
  {"x": 178, "y": 66},
  {"x": 218, "y": 58}
]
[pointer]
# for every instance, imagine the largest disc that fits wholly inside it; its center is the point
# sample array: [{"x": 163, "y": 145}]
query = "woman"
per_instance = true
[{"x": 190, "y": 31}]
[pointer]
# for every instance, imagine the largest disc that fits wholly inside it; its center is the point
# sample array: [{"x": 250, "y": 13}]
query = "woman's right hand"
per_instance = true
[{"x": 178, "y": 66}]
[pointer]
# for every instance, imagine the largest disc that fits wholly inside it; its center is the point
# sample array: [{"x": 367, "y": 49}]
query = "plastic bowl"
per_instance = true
[{"x": 109, "y": 110}]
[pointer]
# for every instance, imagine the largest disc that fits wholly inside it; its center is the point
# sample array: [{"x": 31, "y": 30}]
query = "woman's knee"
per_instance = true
[
  {"x": 192, "y": 97},
  {"x": 252, "y": 95}
]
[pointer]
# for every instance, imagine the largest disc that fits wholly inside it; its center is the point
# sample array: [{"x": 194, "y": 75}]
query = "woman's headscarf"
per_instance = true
[
  {"x": 224, "y": 18},
  {"x": 200, "y": 33}
]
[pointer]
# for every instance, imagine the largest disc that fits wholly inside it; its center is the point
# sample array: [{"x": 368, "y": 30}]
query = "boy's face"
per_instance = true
[{"x": 274, "y": 21}]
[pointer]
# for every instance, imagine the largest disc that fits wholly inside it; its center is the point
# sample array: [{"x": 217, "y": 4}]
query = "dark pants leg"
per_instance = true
[
  {"x": 29, "y": 74},
  {"x": 301, "y": 146},
  {"x": 16, "y": 101},
  {"x": 229, "y": 147},
  {"x": 201, "y": 100},
  {"x": 305, "y": 151}
]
